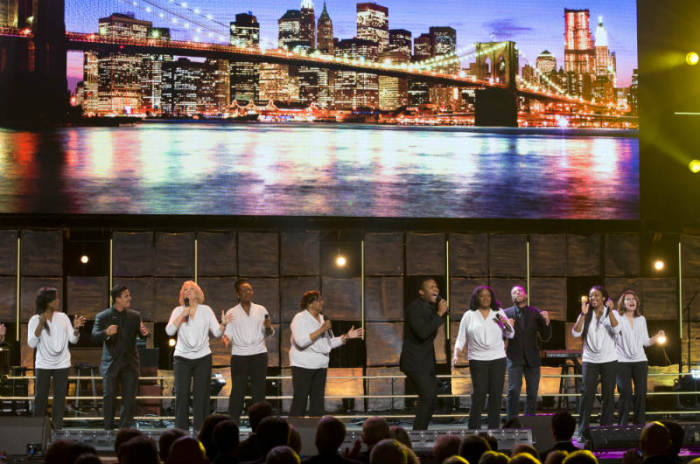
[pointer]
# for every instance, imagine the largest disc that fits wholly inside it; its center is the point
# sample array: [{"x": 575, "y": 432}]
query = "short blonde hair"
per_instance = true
[{"x": 197, "y": 290}]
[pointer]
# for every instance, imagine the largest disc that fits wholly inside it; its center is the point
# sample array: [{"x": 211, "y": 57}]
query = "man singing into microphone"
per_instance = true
[
  {"x": 523, "y": 351},
  {"x": 422, "y": 318},
  {"x": 117, "y": 327}
]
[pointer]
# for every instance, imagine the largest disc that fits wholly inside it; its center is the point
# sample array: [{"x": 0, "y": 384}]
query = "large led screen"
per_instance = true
[{"x": 453, "y": 109}]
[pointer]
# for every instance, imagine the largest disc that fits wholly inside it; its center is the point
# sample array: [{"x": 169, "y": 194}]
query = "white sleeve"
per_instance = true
[
  {"x": 300, "y": 333},
  {"x": 72, "y": 336},
  {"x": 573, "y": 332},
  {"x": 32, "y": 340},
  {"x": 171, "y": 328},
  {"x": 214, "y": 325},
  {"x": 646, "y": 341},
  {"x": 508, "y": 333},
  {"x": 461, "y": 341},
  {"x": 228, "y": 331}
]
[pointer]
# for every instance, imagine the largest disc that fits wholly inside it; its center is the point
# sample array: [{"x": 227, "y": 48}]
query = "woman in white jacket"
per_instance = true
[{"x": 49, "y": 332}]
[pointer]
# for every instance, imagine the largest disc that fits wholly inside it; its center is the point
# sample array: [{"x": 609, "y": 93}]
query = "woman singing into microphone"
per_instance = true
[
  {"x": 193, "y": 322},
  {"x": 598, "y": 327},
  {"x": 632, "y": 362},
  {"x": 311, "y": 343},
  {"x": 482, "y": 330}
]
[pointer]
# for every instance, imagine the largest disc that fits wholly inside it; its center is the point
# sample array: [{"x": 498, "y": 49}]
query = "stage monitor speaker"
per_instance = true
[
  {"x": 615, "y": 437},
  {"x": 306, "y": 426},
  {"x": 541, "y": 426},
  {"x": 24, "y": 436}
]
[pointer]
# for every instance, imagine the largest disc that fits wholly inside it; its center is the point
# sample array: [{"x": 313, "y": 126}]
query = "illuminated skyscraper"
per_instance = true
[
  {"x": 325, "y": 32},
  {"x": 8, "y": 13},
  {"x": 422, "y": 47},
  {"x": 546, "y": 62},
  {"x": 373, "y": 24},
  {"x": 244, "y": 80},
  {"x": 444, "y": 40},
  {"x": 603, "y": 61},
  {"x": 307, "y": 23},
  {"x": 353, "y": 89},
  {"x": 400, "y": 39},
  {"x": 289, "y": 30},
  {"x": 393, "y": 91},
  {"x": 276, "y": 84},
  {"x": 579, "y": 51}
]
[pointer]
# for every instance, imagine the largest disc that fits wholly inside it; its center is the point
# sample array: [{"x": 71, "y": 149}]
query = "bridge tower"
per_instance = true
[
  {"x": 495, "y": 106},
  {"x": 33, "y": 85}
]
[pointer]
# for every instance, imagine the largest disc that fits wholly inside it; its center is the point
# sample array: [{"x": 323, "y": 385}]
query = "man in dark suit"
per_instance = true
[
  {"x": 422, "y": 318},
  {"x": 524, "y": 352},
  {"x": 117, "y": 327}
]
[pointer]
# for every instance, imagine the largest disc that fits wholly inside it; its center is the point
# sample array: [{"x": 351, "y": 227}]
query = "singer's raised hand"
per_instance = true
[
  {"x": 442, "y": 307},
  {"x": 112, "y": 329},
  {"x": 326, "y": 325},
  {"x": 78, "y": 321},
  {"x": 226, "y": 318},
  {"x": 585, "y": 305},
  {"x": 355, "y": 333},
  {"x": 143, "y": 329},
  {"x": 545, "y": 316}
]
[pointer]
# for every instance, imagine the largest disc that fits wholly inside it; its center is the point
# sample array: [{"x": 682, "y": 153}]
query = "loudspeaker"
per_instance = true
[
  {"x": 541, "y": 426},
  {"x": 306, "y": 426},
  {"x": 22, "y": 436},
  {"x": 614, "y": 437}
]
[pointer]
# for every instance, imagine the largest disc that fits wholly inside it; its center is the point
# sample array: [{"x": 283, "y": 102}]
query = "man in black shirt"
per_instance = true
[
  {"x": 422, "y": 318},
  {"x": 523, "y": 351},
  {"x": 117, "y": 327}
]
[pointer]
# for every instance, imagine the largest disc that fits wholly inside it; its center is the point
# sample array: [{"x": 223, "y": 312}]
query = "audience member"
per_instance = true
[
  {"x": 273, "y": 431},
  {"x": 525, "y": 448},
  {"x": 563, "y": 427},
  {"x": 655, "y": 443},
  {"x": 390, "y": 451},
  {"x": 555, "y": 457},
  {"x": 455, "y": 460},
  {"x": 493, "y": 457},
  {"x": 490, "y": 439},
  {"x": 330, "y": 434},
  {"x": 374, "y": 430},
  {"x": 66, "y": 452},
  {"x": 580, "y": 457},
  {"x": 472, "y": 447},
  {"x": 225, "y": 438},
  {"x": 446, "y": 446},
  {"x": 282, "y": 455},
  {"x": 124, "y": 435},
  {"x": 524, "y": 458},
  {"x": 138, "y": 450},
  {"x": 205, "y": 436},
  {"x": 166, "y": 440},
  {"x": 399, "y": 433},
  {"x": 677, "y": 436},
  {"x": 249, "y": 449},
  {"x": 88, "y": 458},
  {"x": 294, "y": 441},
  {"x": 187, "y": 450}
]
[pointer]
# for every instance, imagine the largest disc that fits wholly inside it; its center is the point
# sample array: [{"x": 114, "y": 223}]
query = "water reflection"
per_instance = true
[{"x": 318, "y": 171}]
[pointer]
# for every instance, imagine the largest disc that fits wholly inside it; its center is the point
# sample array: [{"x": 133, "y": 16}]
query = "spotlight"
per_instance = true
[
  {"x": 341, "y": 261},
  {"x": 662, "y": 340},
  {"x": 659, "y": 265},
  {"x": 84, "y": 259},
  {"x": 171, "y": 342},
  {"x": 694, "y": 166},
  {"x": 692, "y": 58}
]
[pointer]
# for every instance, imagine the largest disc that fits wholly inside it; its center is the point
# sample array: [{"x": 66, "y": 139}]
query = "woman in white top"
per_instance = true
[
  {"x": 311, "y": 343},
  {"x": 632, "y": 362},
  {"x": 598, "y": 327},
  {"x": 193, "y": 322},
  {"x": 483, "y": 328},
  {"x": 49, "y": 332}
]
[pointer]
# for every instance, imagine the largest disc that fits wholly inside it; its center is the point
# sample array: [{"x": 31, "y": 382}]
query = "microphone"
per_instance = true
[
  {"x": 504, "y": 327},
  {"x": 437, "y": 302},
  {"x": 187, "y": 304}
]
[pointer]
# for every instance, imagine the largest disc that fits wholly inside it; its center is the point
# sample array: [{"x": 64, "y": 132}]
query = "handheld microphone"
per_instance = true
[
  {"x": 504, "y": 327},
  {"x": 187, "y": 305}
]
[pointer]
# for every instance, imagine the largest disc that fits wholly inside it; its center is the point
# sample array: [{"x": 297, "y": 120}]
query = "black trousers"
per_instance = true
[
  {"x": 626, "y": 373},
  {"x": 515, "y": 384},
  {"x": 198, "y": 373},
  {"x": 124, "y": 375},
  {"x": 308, "y": 383},
  {"x": 487, "y": 378},
  {"x": 253, "y": 367},
  {"x": 591, "y": 372},
  {"x": 41, "y": 394},
  {"x": 425, "y": 384}
]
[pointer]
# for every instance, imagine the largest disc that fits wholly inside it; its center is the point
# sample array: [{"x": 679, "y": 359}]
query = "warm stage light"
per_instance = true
[
  {"x": 662, "y": 340},
  {"x": 694, "y": 166},
  {"x": 171, "y": 342},
  {"x": 341, "y": 261},
  {"x": 692, "y": 58},
  {"x": 659, "y": 265},
  {"x": 84, "y": 259}
]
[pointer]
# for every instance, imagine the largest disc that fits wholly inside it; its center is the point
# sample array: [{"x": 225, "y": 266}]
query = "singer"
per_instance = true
[
  {"x": 193, "y": 322},
  {"x": 311, "y": 342},
  {"x": 117, "y": 328},
  {"x": 422, "y": 319},
  {"x": 632, "y": 362},
  {"x": 482, "y": 330},
  {"x": 598, "y": 327}
]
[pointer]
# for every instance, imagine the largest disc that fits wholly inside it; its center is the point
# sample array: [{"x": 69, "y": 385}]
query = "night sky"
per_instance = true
[{"x": 533, "y": 25}]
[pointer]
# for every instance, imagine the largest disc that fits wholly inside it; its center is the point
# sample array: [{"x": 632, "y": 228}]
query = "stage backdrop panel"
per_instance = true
[
  {"x": 469, "y": 255},
  {"x": 507, "y": 255},
  {"x": 572, "y": 343},
  {"x": 659, "y": 296},
  {"x": 347, "y": 383},
  {"x": 300, "y": 253},
  {"x": 285, "y": 343},
  {"x": 384, "y": 299},
  {"x": 167, "y": 293},
  {"x": 174, "y": 253},
  {"x": 622, "y": 255},
  {"x": 547, "y": 255},
  {"x": 395, "y": 386},
  {"x": 461, "y": 292},
  {"x": 691, "y": 286},
  {"x": 8, "y": 298},
  {"x": 29, "y": 287},
  {"x": 291, "y": 291},
  {"x": 133, "y": 254},
  {"x": 266, "y": 292},
  {"x": 143, "y": 295},
  {"x": 8, "y": 252},
  {"x": 86, "y": 295},
  {"x": 384, "y": 254},
  {"x": 583, "y": 255},
  {"x": 690, "y": 248},
  {"x": 425, "y": 254},
  {"x": 217, "y": 254},
  {"x": 549, "y": 293},
  {"x": 342, "y": 298},
  {"x": 42, "y": 253},
  {"x": 502, "y": 289},
  {"x": 219, "y": 293},
  {"x": 384, "y": 341},
  {"x": 258, "y": 254}
]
